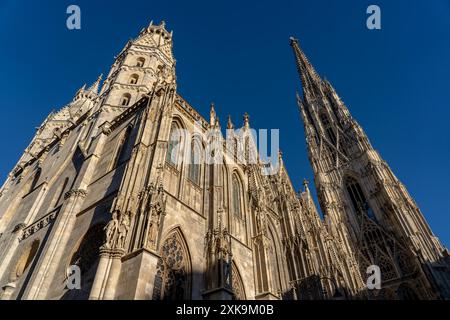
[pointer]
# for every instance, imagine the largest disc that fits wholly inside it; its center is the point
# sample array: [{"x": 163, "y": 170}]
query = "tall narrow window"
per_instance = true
[
  {"x": 60, "y": 193},
  {"x": 194, "y": 164},
  {"x": 35, "y": 181},
  {"x": 125, "y": 100},
  {"x": 133, "y": 79},
  {"x": 26, "y": 259},
  {"x": 120, "y": 154},
  {"x": 237, "y": 196},
  {"x": 358, "y": 199},
  {"x": 140, "y": 62},
  {"x": 173, "y": 150},
  {"x": 327, "y": 126},
  {"x": 173, "y": 270}
]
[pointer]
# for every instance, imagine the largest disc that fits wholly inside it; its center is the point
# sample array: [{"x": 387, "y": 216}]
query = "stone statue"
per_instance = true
[
  {"x": 124, "y": 227},
  {"x": 111, "y": 230},
  {"x": 153, "y": 228}
]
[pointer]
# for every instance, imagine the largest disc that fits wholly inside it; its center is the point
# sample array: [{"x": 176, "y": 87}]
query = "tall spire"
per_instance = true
[{"x": 310, "y": 79}]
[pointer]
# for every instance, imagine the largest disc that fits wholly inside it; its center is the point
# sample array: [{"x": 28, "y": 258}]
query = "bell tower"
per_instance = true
[
  {"x": 141, "y": 64},
  {"x": 364, "y": 204}
]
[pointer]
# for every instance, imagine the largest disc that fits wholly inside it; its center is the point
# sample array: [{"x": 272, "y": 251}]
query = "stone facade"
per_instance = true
[{"x": 106, "y": 185}]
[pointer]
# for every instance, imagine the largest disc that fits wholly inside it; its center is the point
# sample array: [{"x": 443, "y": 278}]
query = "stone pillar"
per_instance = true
[
  {"x": 98, "y": 286},
  {"x": 107, "y": 275},
  {"x": 114, "y": 273}
]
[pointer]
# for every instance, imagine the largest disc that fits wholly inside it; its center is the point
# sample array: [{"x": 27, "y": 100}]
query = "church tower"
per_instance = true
[
  {"x": 365, "y": 206},
  {"x": 142, "y": 63}
]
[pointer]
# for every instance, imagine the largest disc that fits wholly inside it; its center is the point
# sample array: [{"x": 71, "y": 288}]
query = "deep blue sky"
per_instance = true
[{"x": 395, "y": 81}]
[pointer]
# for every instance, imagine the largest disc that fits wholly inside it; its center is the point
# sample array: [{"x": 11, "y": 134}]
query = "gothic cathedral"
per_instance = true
[{"x": 116, "y": 186}]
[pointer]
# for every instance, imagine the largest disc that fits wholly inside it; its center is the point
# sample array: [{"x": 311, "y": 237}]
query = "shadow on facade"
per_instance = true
[{"x": 87, "y": 255}]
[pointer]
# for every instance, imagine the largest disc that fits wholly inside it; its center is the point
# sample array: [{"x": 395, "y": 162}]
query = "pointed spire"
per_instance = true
[
  {"x": 82, "y": 89},
  {"x": 280, "y": 156},
  {"x": 217, "y": 123},
  {"x": 212, "y": 115},
  {"x": 310, "y": 79},
  {"x": 229, "y": 123},
  {"x": 305, "y": 185},
  {"x": 95, "y": 86},
  {"x": 246, "y": 120}
]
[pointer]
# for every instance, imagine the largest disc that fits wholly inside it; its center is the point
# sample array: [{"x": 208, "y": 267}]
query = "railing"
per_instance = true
[{"x": 39, "y": 224}]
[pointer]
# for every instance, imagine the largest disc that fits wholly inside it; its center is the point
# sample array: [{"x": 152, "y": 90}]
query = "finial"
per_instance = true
[
  {"x": 280, "y": 156},
  {"x": 292, "y": 40},
  {"x": 229, "y": 123},
  {"x": 163, "y": 23},
  {"x": 246, "y": 119},
  {"x": 212, "y": 115},
  {"x": 305, "y": 183},
  {"x": 151, "y": 23}
]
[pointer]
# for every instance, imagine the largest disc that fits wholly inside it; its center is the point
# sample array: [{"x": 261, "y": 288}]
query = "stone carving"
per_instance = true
[
  {"x": 117, "y": 230},
  {"x": 156, "y": 210},
  {"x": 38, "y": 225},
  {"x": 75, "y": 193}
]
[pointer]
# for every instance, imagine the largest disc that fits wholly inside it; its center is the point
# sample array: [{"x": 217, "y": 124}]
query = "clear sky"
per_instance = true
[{"x": 395, "y": 81}]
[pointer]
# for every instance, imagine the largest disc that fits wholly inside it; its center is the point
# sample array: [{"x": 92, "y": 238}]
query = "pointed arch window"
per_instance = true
[
  {"x": 237, "y": 284},
  {"x": 87, "y": 257},
  {"x": 125, "y": 100},
  {"x": 274, "y": 267},
  {"x": 237, "y": 196},
  {"x": 195, "y": 162},
  {"x": 328, "y": 128},
  {"x": 35, "y": 181},
  {"x": 122, "y": 147},
  {"x": 358, "y": 199},
  {"x": 140, "y": 62},
  {"x": 173, "y": 271},
  {"x": 174, "y": 145},
  {"x": 60, "y": 193},
  {"x": 26, "y": 259},
  {"x": 133, "y": 79}
]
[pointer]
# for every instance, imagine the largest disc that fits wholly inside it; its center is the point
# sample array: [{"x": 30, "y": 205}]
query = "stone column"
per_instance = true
[{"x": 107, "y": 275}]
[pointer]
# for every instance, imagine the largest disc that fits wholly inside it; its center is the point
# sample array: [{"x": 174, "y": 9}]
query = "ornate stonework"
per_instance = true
[{"x": 98, "y": 188}]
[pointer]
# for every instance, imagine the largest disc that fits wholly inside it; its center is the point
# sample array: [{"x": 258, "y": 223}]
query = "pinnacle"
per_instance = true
[
  {"x": 95, "y": 86},
  {"x": 246, "y": 119},
  {"x": 230, "y": 123}
]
